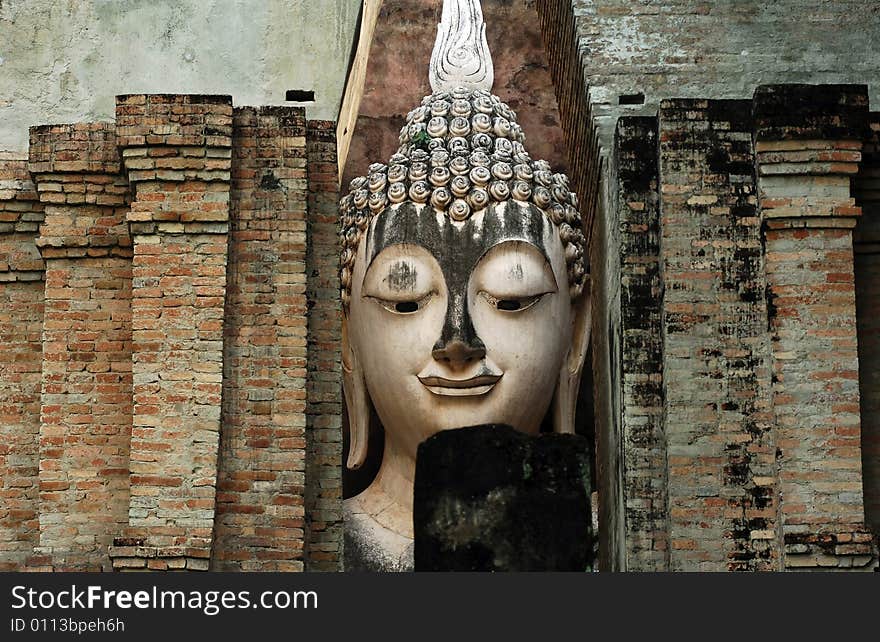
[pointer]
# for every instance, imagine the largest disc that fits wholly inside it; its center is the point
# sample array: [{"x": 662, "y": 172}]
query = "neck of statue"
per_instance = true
[{"x": 389, "y": 499}]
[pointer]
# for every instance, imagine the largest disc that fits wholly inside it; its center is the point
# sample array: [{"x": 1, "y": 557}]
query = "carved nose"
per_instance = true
[{"x": 457, "y": 352}]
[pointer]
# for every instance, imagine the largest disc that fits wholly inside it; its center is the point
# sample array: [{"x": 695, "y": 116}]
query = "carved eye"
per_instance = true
[
  {"x": 512, "y": 304},
  {"x": 404, "y": 307}
]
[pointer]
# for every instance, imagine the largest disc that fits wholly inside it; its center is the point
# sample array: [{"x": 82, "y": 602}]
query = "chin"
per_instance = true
[{"x": 466, "y": 419}]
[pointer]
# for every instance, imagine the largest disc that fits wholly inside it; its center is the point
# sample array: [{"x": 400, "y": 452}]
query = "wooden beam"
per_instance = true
[{"x": 354, "y": 86}]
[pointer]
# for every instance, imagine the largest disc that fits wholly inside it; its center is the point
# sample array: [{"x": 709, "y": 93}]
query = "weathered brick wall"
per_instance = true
[
  {"x": 595, "y": 183},
  {"x": 324, "y": 387},
  {"x": 808, "y": 144},
  {"x": 866, "y": 190},
  {"x": 718, "y": 419},
  {"x": 261, "y": 485},
  {"x": 85, "y": 401},
  {"x": 155, "y": 411},
  {"x": 701, "y": 49},
  {"x": 577, "y": 119},
  {"x": 611, "y": 58},
  {"x": 21, "y": 321},
  {"x": 21, "y": 213},
  {"x": 645, "y": 526},
  {"x": 86, "y": 410},
  {"x": 732, "y": 441},
  {"x": 21, "y": 318},
  {"x": 177, "y": 154}
]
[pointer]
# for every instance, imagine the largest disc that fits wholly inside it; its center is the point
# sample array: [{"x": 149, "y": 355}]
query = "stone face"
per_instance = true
[{"x": 489, "y": 498}]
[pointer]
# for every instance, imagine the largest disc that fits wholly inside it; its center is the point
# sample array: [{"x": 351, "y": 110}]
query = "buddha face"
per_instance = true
[{"x": 454, "y": 324}]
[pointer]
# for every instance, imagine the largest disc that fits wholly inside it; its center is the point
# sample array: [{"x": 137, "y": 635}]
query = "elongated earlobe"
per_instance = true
[
  {"x": 357, "y": 402},
  {"x": 566, "y": 396}
]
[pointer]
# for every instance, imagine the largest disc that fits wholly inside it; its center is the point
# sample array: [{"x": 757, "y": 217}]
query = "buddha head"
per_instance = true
[{"x": 464, "y": 286}]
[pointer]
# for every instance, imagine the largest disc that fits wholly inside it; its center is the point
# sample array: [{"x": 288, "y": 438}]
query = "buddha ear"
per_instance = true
[
  {"x": 357, "y": 401},
  {"x": 565, "y": 399}
]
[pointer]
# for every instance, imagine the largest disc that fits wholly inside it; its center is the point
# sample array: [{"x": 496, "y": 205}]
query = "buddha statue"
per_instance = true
[{"x": 464, "y": 289}]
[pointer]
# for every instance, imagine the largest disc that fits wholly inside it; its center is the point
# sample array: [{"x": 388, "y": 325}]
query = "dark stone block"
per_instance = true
[
  {"x": 192, "y": 99},
  {"x": 805, "y": 112},
  {"x": 737, "y": 113},
  {"x": 636, "y": 143},
  {"x": 489, "y": 498}
]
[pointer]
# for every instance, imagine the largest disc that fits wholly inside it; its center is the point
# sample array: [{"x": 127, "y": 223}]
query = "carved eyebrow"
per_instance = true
[
  {"x": 516, "y": 251},
  {"x": 457, "y": 250},
  {"x": 517, "y": 242},
  {"x": 406, "y": 270}
]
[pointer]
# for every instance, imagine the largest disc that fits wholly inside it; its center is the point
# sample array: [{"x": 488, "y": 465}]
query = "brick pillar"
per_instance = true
[
  {"x": 645, "y": 523},
  {"x": 324, "y": 409},
  {"x": 716, "y": 368},
  {"x": 21, "y": 321},
  {"x": 261, "y": 486},
  {"x": 808, "y": 142},
  {"x": 866, "y": 190},
  {"x": 85, "y": 404},
  {"x": 176, "y": 151}
]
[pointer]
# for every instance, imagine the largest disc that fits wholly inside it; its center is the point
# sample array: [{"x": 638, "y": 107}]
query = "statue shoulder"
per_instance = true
[{"x": 369, "y": 546}]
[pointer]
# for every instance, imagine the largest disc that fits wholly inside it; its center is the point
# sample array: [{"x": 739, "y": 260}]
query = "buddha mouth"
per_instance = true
[{"x": 475, "y": 386}]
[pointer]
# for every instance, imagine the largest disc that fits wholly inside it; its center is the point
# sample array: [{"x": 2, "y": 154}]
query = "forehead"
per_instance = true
[{"x": 462, "y": 242}]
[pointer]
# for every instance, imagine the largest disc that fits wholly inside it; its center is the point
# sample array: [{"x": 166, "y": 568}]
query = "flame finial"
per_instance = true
[{"x": 461, "y": 55}]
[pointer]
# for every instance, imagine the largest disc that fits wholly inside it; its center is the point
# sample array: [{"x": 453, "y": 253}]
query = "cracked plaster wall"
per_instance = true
[{"x": 65, "y": 60}]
